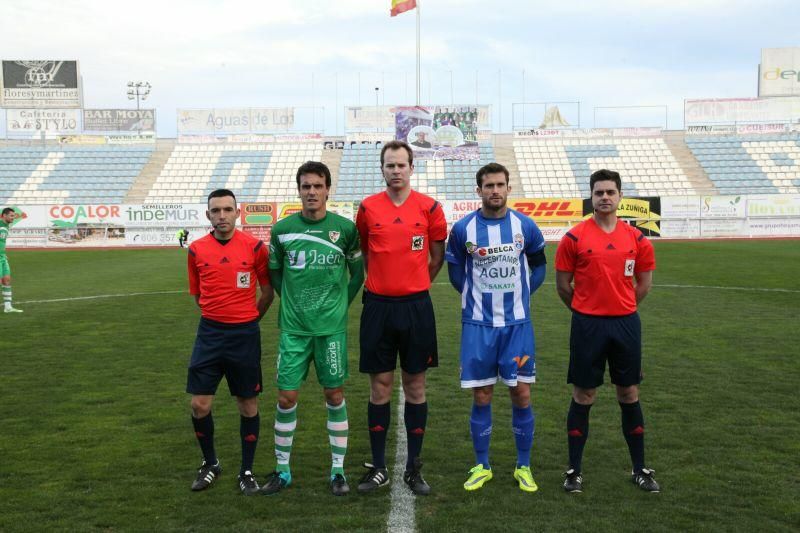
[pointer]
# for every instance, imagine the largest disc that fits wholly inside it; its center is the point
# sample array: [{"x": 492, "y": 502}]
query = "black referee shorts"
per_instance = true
[
  {"x": 595, "y": 339},
  {"x": 392, "y": 325},
  {"x": 230, "y": 350}
]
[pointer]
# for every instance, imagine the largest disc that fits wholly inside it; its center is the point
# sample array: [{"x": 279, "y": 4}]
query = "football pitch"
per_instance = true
[{"x": 96, "y": 433}]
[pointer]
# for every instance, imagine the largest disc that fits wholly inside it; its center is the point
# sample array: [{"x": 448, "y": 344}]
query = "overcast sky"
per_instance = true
[{"x": 312, "y": 53}]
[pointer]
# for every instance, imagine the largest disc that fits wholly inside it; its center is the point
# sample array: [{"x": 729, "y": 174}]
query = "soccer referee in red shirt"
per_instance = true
[
  {"x": 597, "y": 263},
  {"x": 402, "y": 238},
  {"x": 224, "y": 268}
]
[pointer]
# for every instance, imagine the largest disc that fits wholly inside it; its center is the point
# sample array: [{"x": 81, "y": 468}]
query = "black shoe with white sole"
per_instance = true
[
  {"x": 248, "y": 484},
  {"x": 645, "y": 480},
  {"x": 206, "y": 476},
  {"x": 374, "y": 479},
  {"x": 573, "y": 481}
]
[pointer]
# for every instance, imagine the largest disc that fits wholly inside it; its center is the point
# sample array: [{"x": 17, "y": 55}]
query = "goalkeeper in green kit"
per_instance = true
[{"x": 315, "y": 266}]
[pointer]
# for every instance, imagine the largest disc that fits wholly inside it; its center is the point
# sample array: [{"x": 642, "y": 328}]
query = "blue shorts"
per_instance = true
[
  {"x": 230, "y": 350},
  {"x": 595, "y": 339},
  {"x": 487, "y": 352}
]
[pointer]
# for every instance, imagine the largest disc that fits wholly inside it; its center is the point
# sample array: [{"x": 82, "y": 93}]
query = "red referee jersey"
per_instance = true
[
  {"x": 604, "y": 265},
  {"x": 396, "y": 240},
  {"x": 225, "y": 276}
]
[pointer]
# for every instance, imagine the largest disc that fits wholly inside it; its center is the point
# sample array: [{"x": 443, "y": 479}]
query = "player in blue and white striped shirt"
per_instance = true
[{"x": 495, "y": 259}]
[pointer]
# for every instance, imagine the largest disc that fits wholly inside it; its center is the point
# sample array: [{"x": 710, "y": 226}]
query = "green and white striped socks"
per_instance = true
[
  {"x": 285, "y": 425},
  {"x": 7, "y": 296},
  {"x": 338, "y": 429}
]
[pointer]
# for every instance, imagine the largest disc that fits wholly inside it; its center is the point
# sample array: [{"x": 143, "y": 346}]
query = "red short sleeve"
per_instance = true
[
  {"x": 194, "y": 276},
  {"x": 646, "y": 256},
  {"x": 437, "y": 229},
  {"x": 361, "y": 226},
  {"x": 566, "y": 253},
  {"x": 261, "y": 264}
]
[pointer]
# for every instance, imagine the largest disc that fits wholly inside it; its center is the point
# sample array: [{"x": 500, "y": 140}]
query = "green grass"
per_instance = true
[{"x": 96, "y": 435}]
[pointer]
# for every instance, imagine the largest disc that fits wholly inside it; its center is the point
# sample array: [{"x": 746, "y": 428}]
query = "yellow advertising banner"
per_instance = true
[
  {"x": 549, "y": 209},
  {"x": 342, "y": 208},
  {"x": 645, "y": 213},
  {"x": 288, "y": 208}
]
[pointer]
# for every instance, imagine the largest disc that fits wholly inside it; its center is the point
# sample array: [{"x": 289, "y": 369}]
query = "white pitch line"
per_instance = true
[
  {"x": 401, "y": 516},
  {"x": 721, "y": 288},
  {"x": 709, "y": 287},
  {"x": 96, "y": 297},
  {"x": 669, "y": 286}
]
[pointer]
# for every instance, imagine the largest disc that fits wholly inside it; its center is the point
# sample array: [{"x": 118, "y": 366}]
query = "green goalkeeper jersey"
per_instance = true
[
  {"x": 3, "y": 237},
  {"x": 319, "y": 267}
]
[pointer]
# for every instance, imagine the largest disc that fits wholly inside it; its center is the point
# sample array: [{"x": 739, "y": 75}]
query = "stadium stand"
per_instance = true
[
  {"x": 768, "y": 164},
  {"x": 673, "y": 164},
  {"x": 255, "y": 171},
  {"x": 562, "y": 166},
  {"x": 75, "y": 174},
  {"x": 360, "y": 174}
]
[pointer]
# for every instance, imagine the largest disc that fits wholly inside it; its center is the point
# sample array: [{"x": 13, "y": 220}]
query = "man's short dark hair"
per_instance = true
[
  {"x": 605, "y": 175},
  {"x": 491, "y": 168},
  {"x": 315, "y": 167},
  {"x": 8, "y": 210},
  {"x": 397, "y": 145},
  {"x": 221, "y": 193}
]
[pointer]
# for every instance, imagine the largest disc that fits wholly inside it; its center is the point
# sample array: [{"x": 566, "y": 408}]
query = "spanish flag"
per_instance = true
[{"x": 401, "y": 6}]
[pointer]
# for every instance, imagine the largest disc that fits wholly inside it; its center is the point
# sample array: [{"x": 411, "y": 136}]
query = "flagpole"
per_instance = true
[{"x": 418, "y": 50}]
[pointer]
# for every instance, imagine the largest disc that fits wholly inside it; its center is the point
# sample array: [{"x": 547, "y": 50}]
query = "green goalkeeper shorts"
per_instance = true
[
  {"x": 296, "y": 352},
  {"x": 5, "y": 268}
]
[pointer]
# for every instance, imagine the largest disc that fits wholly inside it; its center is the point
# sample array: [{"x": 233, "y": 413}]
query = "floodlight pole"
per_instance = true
[
  {"x": 138, "y": 90},
  {"x": 452, "y": 98},
  {"x": 418, "y": 50},
  {"x": 523, "y": 104},
  {"x": 377, "y": 117}
]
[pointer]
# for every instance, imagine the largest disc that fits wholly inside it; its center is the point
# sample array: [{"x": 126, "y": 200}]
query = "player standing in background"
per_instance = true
[
  {"x": 224, "y": 267},
  {"x": 596, "y": 264},
  {"x": 183, "y": 236},
  {"x": 402, "y": 236},
  {"x": 6, "y": 219},
  {"x": 495, "y": 260},
  {"x": 316, "y": 268}
]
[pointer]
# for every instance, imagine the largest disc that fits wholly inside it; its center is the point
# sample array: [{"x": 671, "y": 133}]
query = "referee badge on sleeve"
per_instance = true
[
  {"x": 417, "y": 242},
  {"x": 243, "y": 280}
]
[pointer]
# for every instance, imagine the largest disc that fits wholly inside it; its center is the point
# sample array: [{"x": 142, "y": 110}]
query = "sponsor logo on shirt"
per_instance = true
[
  {"x": 495, "y": 267},
  {"x": 300, "y": 259},
  {"x": 494, "y": 250},
  {"x": 297, "y": 260}
]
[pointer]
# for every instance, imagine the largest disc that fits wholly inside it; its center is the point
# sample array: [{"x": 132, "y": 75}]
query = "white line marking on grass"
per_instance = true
[
  {"x": 97, "y": 297},
  {"x": 155, "y": 293},
  {"x": 710, "y": 287},
  {"x": 721, "y": 288},
  {"x": 401, "y": 516}
]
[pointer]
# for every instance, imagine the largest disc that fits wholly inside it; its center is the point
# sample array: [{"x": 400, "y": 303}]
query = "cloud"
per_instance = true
[{"x": 205, "y": 53}]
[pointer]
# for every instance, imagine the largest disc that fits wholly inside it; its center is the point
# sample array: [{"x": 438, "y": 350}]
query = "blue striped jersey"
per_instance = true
[{"x": 492, "y": 252}]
